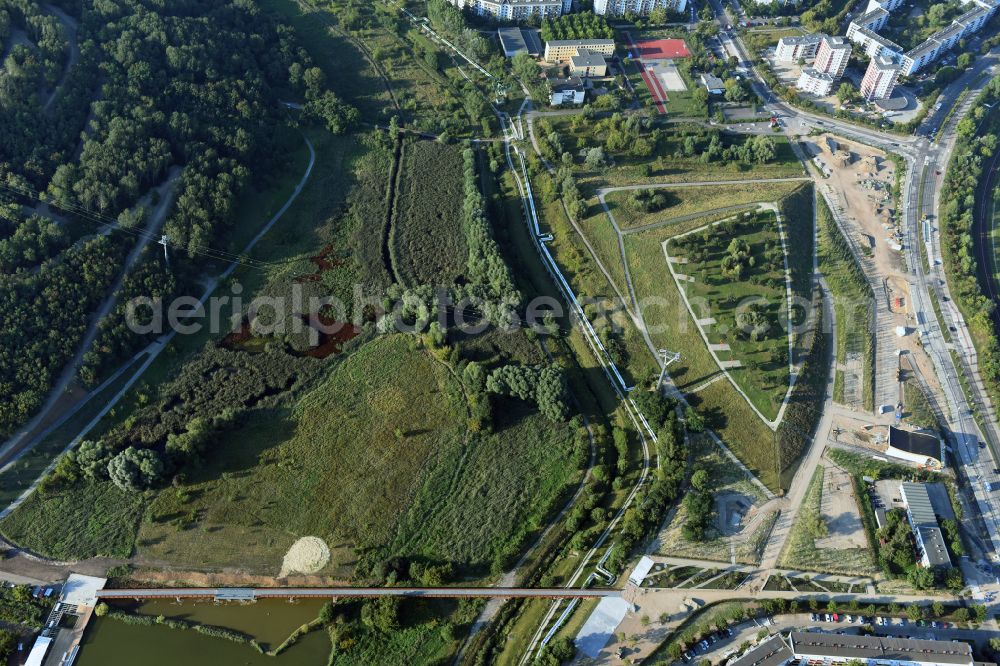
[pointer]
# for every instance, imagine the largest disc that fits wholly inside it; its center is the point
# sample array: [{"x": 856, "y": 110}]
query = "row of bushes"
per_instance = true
[
  {"x": 138, "y": 619},
  {"x": 957, "y": 218}
]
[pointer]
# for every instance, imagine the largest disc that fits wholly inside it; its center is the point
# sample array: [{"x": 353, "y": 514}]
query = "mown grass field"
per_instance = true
[
  {"x": 692, "y": 200},
  {"x": 357, "y": 444},
  {"x": 764, "y": 372},
  {"x": 427, "y": 243}
]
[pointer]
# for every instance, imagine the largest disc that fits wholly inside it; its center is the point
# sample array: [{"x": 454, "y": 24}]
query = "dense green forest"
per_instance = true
[{"x": 97, "y": 105}]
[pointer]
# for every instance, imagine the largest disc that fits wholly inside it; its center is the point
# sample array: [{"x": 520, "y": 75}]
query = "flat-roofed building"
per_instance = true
[
  {"x": 832, "y": 56},
  {"x": 567, "y": 91},
  {"x": 887, "y": 5},
  {"x": 512, "y": 41},
  {"x": 559, "y": 50},
  {"x": 515, "y": 10},
  {"x": 920, "y": 56},
  {"x": 791, "y": 49},
  {"x": 924, "y": 523},
  {"x": 772, "y": 652},
  {"x": 713, "y": 84},
  {"x": 880, "y": 79},
  {"x": 876, "y": 650},
  {"x": 872, "y": 43},
  {"x": 919, "y": 447},
  {"x": 874, "y": 19},
  {"x": 815, "y": 82},
  {"x": 638, "y": 7},
  {"x": 588, "y": 64}
]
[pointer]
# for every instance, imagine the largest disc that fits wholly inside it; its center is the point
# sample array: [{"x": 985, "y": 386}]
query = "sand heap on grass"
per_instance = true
[{"x": 307, "y": 555}]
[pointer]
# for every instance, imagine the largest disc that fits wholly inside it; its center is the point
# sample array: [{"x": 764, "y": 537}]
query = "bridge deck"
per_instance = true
[{"x": 286, "y": 592}]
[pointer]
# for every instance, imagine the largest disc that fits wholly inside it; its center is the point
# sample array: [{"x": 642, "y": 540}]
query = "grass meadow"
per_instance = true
[
  {"x": 694, "y": 200},
  {"x": 800, "y": 551},
  {"x": 427, "y": 242}
]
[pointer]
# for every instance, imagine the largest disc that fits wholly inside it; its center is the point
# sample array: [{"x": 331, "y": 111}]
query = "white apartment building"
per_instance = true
[
  {"x": 516, "y": 10},
  {"x": 790, "y": 49},
  {"x": 887, "y": 5},
  {"x": 832, "y": 56},
  {"x": 815, "y": 82},
  {"x": 873, "y": 20},
  {"x": 872, "y": 43},
  {"x": 639, "y": 7},
  {"x": 880, "y": 79}
]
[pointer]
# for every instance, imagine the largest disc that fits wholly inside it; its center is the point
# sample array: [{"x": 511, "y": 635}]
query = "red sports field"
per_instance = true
[{"x": 661, "y": 49}]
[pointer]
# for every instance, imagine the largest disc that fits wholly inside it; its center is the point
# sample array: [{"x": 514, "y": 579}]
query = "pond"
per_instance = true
[{"x": 109, "y": 642}]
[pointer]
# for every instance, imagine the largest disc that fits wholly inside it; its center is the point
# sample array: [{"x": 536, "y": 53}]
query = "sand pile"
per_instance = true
[{"x": 307, "y": 555}]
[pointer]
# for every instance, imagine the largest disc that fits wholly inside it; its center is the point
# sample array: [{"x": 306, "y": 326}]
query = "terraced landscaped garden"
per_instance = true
[{"x": 733, "y": 272}]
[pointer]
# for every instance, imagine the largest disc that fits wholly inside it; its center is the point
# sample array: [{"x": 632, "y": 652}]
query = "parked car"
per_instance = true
[
  {"x": 813, "y": 617},
  {"x": 850, "y": 618}
]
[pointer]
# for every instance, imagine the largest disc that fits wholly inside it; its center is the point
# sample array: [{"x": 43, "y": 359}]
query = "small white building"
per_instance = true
[
  {"x": 713, "y": 84},
  {"x": 569, "y": 91}
]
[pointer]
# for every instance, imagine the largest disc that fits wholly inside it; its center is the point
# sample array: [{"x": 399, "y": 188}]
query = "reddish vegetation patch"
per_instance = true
[
  {"x": 240, "y": 337},
  {"x": 332, "y": 335},
  {"x": 323, "y": 263}
]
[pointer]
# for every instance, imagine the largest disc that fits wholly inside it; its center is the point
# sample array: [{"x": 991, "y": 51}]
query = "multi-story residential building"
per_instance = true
[
  {"x": 515, "y": 10},
  {"x": 832, "y": 56},
  {"x": 816, "y": 82},
  {"x": 559, "y": 50},
  {"x": 872, "y": 43},
  {"x": 864, "y": 31},
  {"x": 880, "y": 78},
  {"x": 875, "y": 650},
  {"x": 838, "y": 649},
  {"x": 790, "y": 49},
  {"x": 639, "y": 7},
  {"x": 874, "y": 20},
  {"x": 919, "y": 57}
]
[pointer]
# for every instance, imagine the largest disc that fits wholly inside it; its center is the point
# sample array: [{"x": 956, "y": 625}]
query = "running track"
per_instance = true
[{"x": 652, "y": 82}]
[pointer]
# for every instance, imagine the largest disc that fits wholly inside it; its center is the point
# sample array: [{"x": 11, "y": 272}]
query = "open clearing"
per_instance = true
[
  {"x": 688, "y": 200},
  {"x": 816, "y": 544},
  {"x": 381, "y": 443},
  {"x": 741, "y": 524}
]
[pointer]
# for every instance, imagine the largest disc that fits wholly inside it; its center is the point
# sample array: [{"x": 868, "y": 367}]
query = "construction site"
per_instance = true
[{"x": 860, "y": 185}]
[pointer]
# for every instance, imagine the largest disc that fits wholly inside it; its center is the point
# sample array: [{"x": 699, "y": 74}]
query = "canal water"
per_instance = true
[{"x": 109, "y": 642}]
